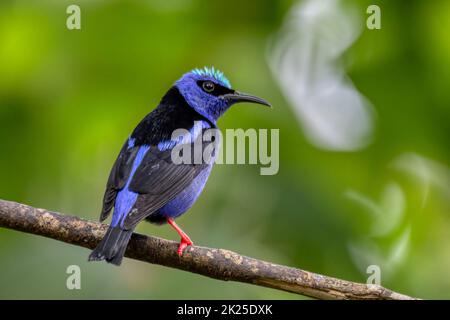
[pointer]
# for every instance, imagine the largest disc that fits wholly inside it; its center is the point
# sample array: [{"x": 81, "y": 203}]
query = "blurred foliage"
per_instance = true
[{"x": 69, "y": 98}]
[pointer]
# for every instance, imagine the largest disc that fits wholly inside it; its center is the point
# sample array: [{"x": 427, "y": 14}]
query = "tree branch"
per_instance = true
[{"x": 214, "y": 263}]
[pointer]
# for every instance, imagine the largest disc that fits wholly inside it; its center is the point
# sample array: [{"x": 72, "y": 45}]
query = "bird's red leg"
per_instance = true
[{"x": 185, "y": 240}]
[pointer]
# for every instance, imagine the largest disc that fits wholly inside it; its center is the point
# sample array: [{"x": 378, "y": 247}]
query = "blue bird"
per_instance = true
[{"x": 144, "y": 183}]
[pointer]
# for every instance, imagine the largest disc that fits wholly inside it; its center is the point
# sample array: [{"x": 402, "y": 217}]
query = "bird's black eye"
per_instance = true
[{"x": 208, "y": 86}]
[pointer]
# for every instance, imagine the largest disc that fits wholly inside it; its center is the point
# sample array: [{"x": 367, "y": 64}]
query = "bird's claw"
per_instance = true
[
  {"x": 185, "y": 240},
  {"x": 183, "y": 245}
]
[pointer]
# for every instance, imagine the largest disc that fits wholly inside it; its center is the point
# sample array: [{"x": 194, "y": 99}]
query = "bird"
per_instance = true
[{"x": 144, "y": 182}]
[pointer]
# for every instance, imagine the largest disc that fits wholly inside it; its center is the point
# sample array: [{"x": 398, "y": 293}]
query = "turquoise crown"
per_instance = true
[{"x": 211, "y": 72}]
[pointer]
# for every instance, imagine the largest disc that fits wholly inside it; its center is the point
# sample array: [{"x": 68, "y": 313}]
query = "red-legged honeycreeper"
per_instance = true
[{"x": 144, "y": 182}]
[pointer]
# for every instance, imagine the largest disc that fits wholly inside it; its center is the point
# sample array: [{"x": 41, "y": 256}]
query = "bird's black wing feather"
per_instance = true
[
  {"x": 117, "y": 178},
  {"x": 158, "y": 180}
]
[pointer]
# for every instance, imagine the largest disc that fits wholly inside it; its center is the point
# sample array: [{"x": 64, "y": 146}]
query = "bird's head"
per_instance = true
[{"x": 210, "y": 94}]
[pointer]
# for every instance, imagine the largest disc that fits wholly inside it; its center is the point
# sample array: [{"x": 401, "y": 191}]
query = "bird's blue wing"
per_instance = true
[{"x": 118, "y": 177}]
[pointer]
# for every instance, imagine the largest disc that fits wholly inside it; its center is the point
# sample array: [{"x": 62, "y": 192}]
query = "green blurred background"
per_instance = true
[{"x": 69, "y": 98}]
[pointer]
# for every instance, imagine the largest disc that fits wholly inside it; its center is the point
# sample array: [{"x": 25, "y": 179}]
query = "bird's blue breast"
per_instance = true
[{"x": 184, "y": 201}]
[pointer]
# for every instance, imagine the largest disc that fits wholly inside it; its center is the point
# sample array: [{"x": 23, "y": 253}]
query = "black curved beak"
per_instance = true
[{"x": 237, "y": 96}]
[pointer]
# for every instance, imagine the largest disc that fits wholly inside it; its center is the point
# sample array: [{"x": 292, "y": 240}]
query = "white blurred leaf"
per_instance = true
[
  {"x": 366, "y": 252},
  {"x": 304, "y": 58},
  {"x": 388, "y": 213},
  {"x": 399, "y": 249},
  {"x": 425, "y": 171},
  {"x": 392, "y": 208},
  {"x": 364, "y": 201}
]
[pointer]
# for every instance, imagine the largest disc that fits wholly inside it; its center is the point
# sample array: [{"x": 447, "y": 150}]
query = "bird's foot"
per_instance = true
[{"x": 185, "y": 240}]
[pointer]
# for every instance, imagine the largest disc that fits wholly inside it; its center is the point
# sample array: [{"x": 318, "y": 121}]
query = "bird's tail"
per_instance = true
[{"x": 112, "y": 247}]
